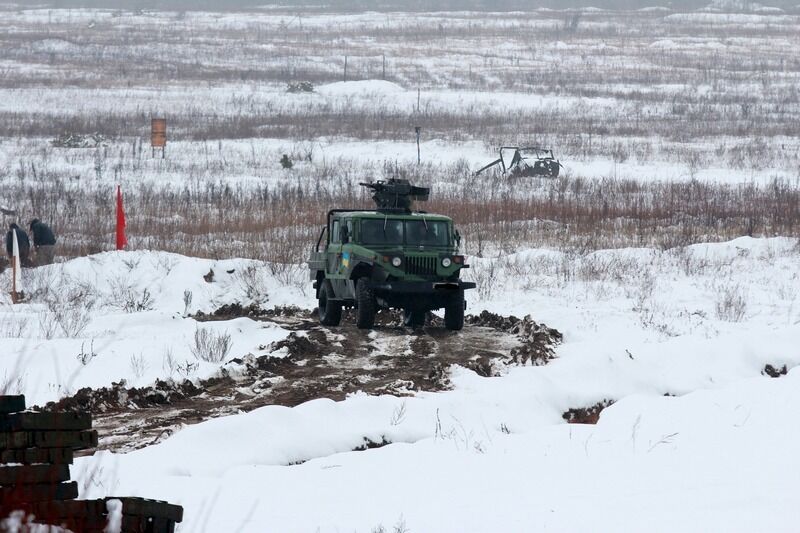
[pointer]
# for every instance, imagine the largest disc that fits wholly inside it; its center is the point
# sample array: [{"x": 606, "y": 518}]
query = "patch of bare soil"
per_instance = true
[
  {"x": 586, "y": 415},
  {"x": 118, "y": 396},
  {"x": 775, "y": 371},
  {"x": 314, "y": 362}
]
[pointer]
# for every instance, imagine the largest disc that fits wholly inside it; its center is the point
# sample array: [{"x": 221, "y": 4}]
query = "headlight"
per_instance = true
[
  {"x": 396, "y": 261},
  {"x": 446, "y": 262}
]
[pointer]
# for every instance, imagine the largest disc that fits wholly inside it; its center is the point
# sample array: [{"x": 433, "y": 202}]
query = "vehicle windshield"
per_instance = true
[
  {"x": 426, "y": 233},
  {"x": 409, "y": 232}
]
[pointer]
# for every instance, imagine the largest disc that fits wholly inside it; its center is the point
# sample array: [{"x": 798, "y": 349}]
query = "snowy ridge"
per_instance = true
[{"x": 128, "y": 309}]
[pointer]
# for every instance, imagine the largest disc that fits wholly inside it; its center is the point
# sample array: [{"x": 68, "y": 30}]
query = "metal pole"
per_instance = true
[
  {"x": 417, "y": 130},
  {"x": 13, "y": 279}
]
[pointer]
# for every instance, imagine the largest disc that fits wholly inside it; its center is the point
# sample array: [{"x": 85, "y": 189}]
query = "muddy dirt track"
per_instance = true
[{"x": 314, "y": 362}]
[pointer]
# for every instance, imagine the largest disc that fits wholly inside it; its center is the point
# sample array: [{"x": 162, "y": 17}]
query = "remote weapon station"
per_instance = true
[{"x": 391, "y": 257}]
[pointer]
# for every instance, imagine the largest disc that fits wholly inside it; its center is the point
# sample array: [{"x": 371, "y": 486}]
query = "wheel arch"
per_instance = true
[{"x": 362, "y": 270}]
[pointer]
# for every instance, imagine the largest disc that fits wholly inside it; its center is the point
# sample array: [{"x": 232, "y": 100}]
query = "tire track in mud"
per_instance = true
[{"x": 313, "y": 362}]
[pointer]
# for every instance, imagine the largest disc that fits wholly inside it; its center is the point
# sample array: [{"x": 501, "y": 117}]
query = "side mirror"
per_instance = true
[
  {"x": 344, "y": 235},
  {"x": 458, "y": 239}
]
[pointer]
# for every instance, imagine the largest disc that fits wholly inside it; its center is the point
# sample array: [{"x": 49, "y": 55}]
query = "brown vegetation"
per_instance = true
[
  {"x": 686, "y": 89},
  {"x": 280, "y": 223}
]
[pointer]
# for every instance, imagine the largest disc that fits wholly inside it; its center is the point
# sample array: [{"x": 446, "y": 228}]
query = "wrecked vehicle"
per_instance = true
[{"x": 528, "y": 161}]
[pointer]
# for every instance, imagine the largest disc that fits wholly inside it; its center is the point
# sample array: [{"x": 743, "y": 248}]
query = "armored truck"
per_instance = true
[{"x": 390, "y": 257}]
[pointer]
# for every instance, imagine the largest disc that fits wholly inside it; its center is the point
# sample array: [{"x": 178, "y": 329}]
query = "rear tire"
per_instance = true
[
  {"x": 330, "y": 311},
  {"x": 366, "y": 307},
  {"x": 454, "y": 313}
]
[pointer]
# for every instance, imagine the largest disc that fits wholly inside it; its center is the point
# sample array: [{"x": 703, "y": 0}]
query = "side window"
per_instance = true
[
  {"x": 350, "y": 229},
  {"x": 335, "y": 237}
]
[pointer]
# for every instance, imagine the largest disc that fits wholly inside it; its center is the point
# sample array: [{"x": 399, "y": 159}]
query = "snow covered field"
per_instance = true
[{"x": 698, "y": 437}]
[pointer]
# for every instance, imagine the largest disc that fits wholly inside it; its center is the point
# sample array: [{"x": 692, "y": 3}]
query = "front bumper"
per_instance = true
[{"x": 421, "y": 287}]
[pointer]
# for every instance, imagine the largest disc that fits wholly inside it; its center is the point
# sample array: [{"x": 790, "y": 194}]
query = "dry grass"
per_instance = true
[
  {"x": 281, "y": 223},
  {"x": 693, "y": 90}
]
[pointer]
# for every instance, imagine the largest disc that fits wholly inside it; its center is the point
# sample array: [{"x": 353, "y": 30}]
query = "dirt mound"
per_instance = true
[
  {"x": 237, "y": 310},
  {"x": 586, "y": 415},
  {"x": 538, "y": 341},
  {"x": 118, "y": 396},
  {"x": 775, "y": 371}
]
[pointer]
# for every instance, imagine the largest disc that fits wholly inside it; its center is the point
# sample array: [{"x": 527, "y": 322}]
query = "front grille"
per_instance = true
[{"x": 421, "y": 266}]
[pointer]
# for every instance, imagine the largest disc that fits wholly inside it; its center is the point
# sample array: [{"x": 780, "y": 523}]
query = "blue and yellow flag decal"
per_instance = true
[{"x": 346, "y": 259}]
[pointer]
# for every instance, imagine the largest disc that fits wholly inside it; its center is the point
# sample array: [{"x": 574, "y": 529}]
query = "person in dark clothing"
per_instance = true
[
  {"x": 23, "y": 243},
  {"x": 44, "y": 242}
]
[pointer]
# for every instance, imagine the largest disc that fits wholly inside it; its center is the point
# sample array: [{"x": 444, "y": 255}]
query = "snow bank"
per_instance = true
[
  {"x": 698, "y": 439},
  {"x": 123, "y": 315},
  {"x": 712, "y": 460},
  {"x": 667, "y": 44}
]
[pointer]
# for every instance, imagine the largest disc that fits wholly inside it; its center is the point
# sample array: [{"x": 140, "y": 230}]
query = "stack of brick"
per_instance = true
[{"x": 36, "y": 450}]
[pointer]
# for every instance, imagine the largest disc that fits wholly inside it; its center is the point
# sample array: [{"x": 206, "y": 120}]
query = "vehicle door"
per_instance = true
[
  {"x": 334, "y": 258},
  {"x": 346, "y": 238}
]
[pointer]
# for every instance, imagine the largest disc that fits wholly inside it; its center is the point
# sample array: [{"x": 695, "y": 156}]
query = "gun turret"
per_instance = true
[{"x": 396, "y": 194}]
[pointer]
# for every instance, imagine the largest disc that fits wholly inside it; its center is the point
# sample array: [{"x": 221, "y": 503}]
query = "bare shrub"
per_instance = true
[
  {"x": 48, "y": 326},
  {"x": 72, "y": 320},
  {"x": 642, "y": 292},
  {"x": 138, "y": 365},
  {"x": 68, "y": 302},
  {"x": 187, "y": 368},
  {"x": 85, "y": 356},
  {"x": 13, "y": 383},
  {"x": 485, "y": 275},
  {"x": 731, "y": 304},
  {"x": 210, "y": 346},
  {"x": 69, "y": 305},
  {"x": 128, "y": 298},
  {"x": 252, "y": 279},
  {"x": 165, "y": 263},
  {"x": 168, "y": 362},
  {"x": 13, "y": 327},
  {"x": 289, "y": 274},
  {"x": 187, "y": 301}
]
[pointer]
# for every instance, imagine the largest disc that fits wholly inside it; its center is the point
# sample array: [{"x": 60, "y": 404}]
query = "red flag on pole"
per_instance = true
[{"x": 122, "y": 241}]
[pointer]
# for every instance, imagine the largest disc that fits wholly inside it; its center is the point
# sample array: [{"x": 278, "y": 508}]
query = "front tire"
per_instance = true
[
  {"x": 330, "y": 311},
  {"x": 454, "y": 313},
  {"x": 366, "y": 307}
]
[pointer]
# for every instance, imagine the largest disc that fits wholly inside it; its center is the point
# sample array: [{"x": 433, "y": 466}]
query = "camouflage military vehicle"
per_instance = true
[{"x": 391, "y": 257}]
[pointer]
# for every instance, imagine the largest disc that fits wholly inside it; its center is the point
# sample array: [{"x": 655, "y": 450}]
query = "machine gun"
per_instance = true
[{"x": 396, "y": 194}]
